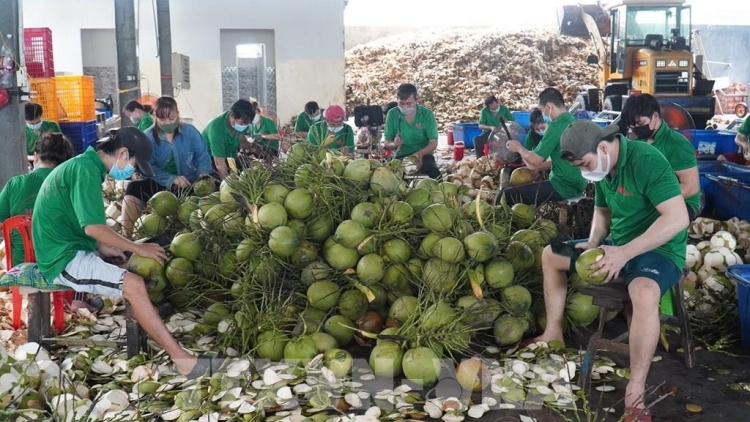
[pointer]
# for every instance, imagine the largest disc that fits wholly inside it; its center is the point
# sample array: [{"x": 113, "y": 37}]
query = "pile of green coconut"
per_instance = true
[{"x": 321, "y": 253}]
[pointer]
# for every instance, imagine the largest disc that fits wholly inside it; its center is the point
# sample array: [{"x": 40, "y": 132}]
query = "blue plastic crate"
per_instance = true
[
  {"x": 740, "y": 274},
  {"x": 724, "y": 199},
  {"x": 712, "y": 142},
  {"x": 81, "y": 135},
  {"x": 523, "y": 118},
  {"x": 466, "y": 132}
]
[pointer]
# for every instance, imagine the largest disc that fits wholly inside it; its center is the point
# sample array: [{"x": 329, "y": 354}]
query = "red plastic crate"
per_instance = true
[{"x": 38, "y": 56}]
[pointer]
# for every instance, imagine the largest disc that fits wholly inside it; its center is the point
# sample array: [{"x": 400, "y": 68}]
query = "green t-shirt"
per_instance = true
[
  {"x": 745, "y": 128},
  {"x": 304, "y": 122},
  {"x": 17, "y": 198},
  {"x": 32, "y": 137},
  {"x": 532, "y": 140},
  {"x": 146, "y": 122},
  {"x": 643, "y": 179},
  {"x": 265, "y": 127},
  {"x": 70, "y": 199},
  {"x": 415, "y": 135},
  {"x": 221, "y": 139},
  {"x": 680, "y": 154},
  {"x": 487, "y": 117},
  {"x": 171, "y": 166},
  {"x": 343, "y": 138},
  {"x": 565, "y": 178}
]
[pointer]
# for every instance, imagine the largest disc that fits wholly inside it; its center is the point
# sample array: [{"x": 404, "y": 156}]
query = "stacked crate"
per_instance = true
[
  {"x": 43, "y": 91},
  {"x": 38, "y": 58},
  {"x": 77, "y": 99},
  {"x": 728, "y": 98}
]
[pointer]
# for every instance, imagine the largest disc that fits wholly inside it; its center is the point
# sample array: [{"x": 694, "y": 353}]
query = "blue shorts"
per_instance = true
[{"x": 651, "y": 265}]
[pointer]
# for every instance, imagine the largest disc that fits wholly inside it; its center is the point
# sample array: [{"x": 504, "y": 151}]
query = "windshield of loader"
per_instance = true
[{"x": 650, "y": 20}]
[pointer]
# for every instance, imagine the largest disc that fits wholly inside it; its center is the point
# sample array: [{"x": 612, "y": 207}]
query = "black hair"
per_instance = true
[
  {"x": 110, "y": 147},
  {"x": 311, "y": 107},
  {"x": 54, "y": 148},
  {"x": 133, "y": 105},
  {"x": 405, "y": 91},
  {"x": 388, "y": 106},
  {"x": 148, "y": 109},
  {"x": 536, "y": 116},
  {"x": 32, "y": 111},
  {"x": 551, "y": 95},
  {"x": 164, "y": 107},
  {"x": 570, "y": 157},
  {"x": 243, "y": 109},
  {"x": 489, "y": 100},
  {"x": 643, "y": 105}
]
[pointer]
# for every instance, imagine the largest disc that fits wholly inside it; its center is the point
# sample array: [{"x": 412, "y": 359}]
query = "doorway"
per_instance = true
[
  {"x": 248, "y": 67},
  {"x": 251, "y": 75}
]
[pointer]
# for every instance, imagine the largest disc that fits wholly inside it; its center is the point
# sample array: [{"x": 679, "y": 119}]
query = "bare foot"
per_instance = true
[
  {"x": 544, "y": 338},
  {"x": 79, "y": 304},
  {"x": 184, "y": 366}
]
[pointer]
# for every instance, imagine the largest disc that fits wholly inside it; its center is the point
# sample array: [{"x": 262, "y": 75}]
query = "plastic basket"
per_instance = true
[
  {"x": 43, "y": 92},
  {"x": 466, "y": 132},
  {"x": 523, "y": 118},
  {"x": 76, "y": 94},
  {"x": 727, "y": 199},
  {"x": 38, "y": 57},
  {"x": 81, "y": 135},
  {"x": 712, "y": 142},
  {"x": 740, "y": 274}
]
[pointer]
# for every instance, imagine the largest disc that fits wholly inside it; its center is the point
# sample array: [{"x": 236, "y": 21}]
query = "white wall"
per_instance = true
[{"x": 308, "y": 38}]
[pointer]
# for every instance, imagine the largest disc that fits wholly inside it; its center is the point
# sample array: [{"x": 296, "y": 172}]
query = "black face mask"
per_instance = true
[{"x": 642, "y": 132}]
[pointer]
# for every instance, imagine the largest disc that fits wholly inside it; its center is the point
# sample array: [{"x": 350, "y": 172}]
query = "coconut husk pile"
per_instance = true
[{"x": 455, "y": 70}]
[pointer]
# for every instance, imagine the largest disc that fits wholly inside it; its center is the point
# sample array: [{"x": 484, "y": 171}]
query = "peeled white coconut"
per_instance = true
[
  {"x": 720, "y": 258},
  {"x": 718, "y": 283},
  {"x": 723, "y": 239},
  {"x": 694, "y": 258},
  {"x": 703, "y": 247},
  {"x": 705, "y": 272},
  {"x": 703, "y": 227}
]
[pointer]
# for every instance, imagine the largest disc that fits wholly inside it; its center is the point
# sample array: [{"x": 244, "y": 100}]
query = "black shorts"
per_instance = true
[{"x": 146, "y": 188}]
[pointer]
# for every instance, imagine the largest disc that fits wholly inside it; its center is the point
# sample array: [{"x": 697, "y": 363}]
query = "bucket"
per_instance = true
[
  {"x": 450, "y": 136},
  {"x": 741, "y": 275},
  {"x": 458, "y": 151}
]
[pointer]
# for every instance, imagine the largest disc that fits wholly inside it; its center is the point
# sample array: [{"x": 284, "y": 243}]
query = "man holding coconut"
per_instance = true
[{"x": 639, "y": 203}]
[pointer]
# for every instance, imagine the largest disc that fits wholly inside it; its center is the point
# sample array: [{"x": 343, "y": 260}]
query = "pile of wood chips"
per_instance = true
[
  {"x": 9, "y": 338},
  {"x": 455, "y": 70}
]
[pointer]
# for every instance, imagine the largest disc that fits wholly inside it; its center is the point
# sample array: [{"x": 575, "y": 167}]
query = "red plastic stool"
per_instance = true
[{"x": 22, "y": 224}]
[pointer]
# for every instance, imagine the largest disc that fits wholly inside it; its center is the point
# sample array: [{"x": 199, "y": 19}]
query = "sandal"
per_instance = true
[
  {"x": 633, "y": 414},
  {"x": 206, "y": 365}
]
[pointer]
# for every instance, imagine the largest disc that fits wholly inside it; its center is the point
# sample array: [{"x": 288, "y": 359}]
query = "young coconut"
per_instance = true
[
  {"x": 587, "y": 259},
  {"x": 473, "y": 375}
]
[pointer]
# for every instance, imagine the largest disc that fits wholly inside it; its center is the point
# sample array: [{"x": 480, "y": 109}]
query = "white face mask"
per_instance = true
[
  {"x": 541, "y": 132},
  {"x": 600, "y": 173},
  {"x": 316, "y": 117},
  {"x": 335, "y": 129}
]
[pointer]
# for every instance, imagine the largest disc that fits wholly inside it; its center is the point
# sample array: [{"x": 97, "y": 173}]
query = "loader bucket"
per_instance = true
[{"x": 572, "y": 23}]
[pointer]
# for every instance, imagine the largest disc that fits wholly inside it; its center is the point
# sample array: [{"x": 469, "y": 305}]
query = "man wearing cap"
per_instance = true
[
  {"x": 71, "y": 236},
  {"x": 333, "y": 133},
  {"x": 642, "y": 114},
  {"x": 565, "y": 181},
  {"x": 411, "y": 130},
  {"x": 639, "y": 203}
]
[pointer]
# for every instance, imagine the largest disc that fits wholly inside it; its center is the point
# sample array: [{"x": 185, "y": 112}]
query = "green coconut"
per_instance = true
[
  {"x": 480, "y": 246},
  {"x": 300, "y": 351},
  {"x": 350, "y": 233},
  {"x": 399, "y": 212},
  {"x": 315, "y": 271},
  {"x": 150, "y": 270},
  {"x": 499, "y": 273},
  {"x": 323, "y": 295},
  {"x": 353, "y": 304},
  {"x": 416, "y": 268},
  {"x": 226, "y": 191},
  {"x": 523, "y": 215},
  {"x": 397, "y": 251},
  {"x": 340, "y": 327},
  {"x": 440, "y": 276},
  {"x": 233, "y": 222},
  {"x": 383, "y": 182},
  {"x": 228, "y": 264},
  {"x": 427, "y": 245},
  {"x": 203, "y": 187},
  {"x": 339, "y": 361},
  {"x": 462, "y": 229},
  {"x": 419, "y": 199},
  {"x": 215, "y": 216},
  {"x": 302, "y": 177},
  {"x": 449, "y": 249},
  {"x": 186, "y": 245},
  {"x": 421, "y": 366},
  {"x": 478, "y": 313},
  {"x": 283, "y": 241},
  {"x": 338, "y": 256},
  {"x": 501, "y": 232},
  {"x": 389, "y": 331},
  {"x": 581, "y": 310},
  {"x": 298, "y": 226},
  {"x": 438, "y": 218},
  {"x": 427, "y": 184},
  {"x": 186, "y": 209},
  {"x": 246, "y": 249},
  {"x": 164, "y": 203},
  {"x": 324, "y": 342},
  {"x": 299, "y": 203},
  {"x": 320, "y": 227},
  {"x": 179, "y": 271},
  {"x": 272, "y": 215},
  {"x": 386, "y": 359},
  {"x": 370, "y": 269},
  {"x": 547, "y": 228},
  {"x": 516, "y": 299},
  {"x": 358, "y": 171},
  {"x": 381, "y": 298},
  {"x": 306, "y": 253},
  {"x": 437, "y": 315},
  {"x": 271, "y": 345},
  {"x": 520, "y": 256},
  {"x": 209, "y": 201},
  {"x": 367, "y": 214},
  {"x": 150, "y": 225},
  {"x": 586, "y": 259},
  {"x": 470, "y": 210},
  {"x": 216, "y": 313},
  {"x": 403, "y": 308},
  {"x": 275, "y": 192},
  {"x": 508, "y": 330},
  {"x": 396, "y": 281},
  {"x": 531, "y": 238}
]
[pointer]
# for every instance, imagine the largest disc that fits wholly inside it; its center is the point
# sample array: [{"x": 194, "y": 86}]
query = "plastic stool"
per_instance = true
[{"x": 22, "y": 224}]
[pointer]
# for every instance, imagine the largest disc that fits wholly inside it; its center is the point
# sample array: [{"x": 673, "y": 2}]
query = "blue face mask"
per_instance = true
[
  {"x": 122, "y": 174},
  {"x": 546, "y": 118},
  {"x": 239, "y": 128}
]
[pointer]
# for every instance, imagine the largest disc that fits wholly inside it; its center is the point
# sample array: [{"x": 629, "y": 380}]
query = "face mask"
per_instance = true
[
  {"x": 135, "y": 119},
  {"x": 541, "y": 132},
  {"x": 315, "y": 118},
  {"x": 239, "y": 128},
  {"x": 598, "y": 174},
  {"x": 335, "y": 129},
  {"x": 494, "y": 110},
  {"x": 35, "y": 126},
  {"x": 169, "y": 127},
  {"x": 406, "y": 110},
  {"x": 122, "y": 174},
  {"x": 642, "y": 132},
  {"x": 256, "y": 119}
]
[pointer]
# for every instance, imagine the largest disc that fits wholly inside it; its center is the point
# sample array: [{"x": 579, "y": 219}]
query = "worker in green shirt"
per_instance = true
[
  {"x": 565, "y": 181},
  {"x": 225, "y": 133},
  {"x": 640, "y": 204},
  {"x": 489, "y": 119},
  {"x": 411, "y": 130},
  {"x": 312, "y": 114},
  {"x": 333, "y": 133},
  {"x": 642, "y": 114},
  {"x": 36, "y": 127},
  {"x": 19, "y": 194},
  {"x": 139, "y": 114},
  {"x": 265, "y": 135}
]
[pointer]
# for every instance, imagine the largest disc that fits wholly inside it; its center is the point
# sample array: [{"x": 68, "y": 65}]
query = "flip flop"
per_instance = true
[
  {"x": 206, "y": 365},
  {"x": 633, "y": 414}
]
